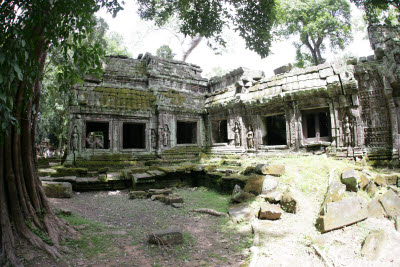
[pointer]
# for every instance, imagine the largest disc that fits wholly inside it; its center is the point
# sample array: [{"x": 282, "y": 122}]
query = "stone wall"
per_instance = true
[{"x": 348, "y": 108}]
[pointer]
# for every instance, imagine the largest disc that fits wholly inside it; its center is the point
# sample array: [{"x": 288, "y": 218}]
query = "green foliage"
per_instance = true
[
  {"x": 253, "y": 19},
  {"x": 61, "y": 75},
  {"x": 316, "y": 22},
  {"x": 115, "y": 45},
  {"x": 28, "y": 30},
  {"x": 380, "y": 11},
  {"x": 165, "y": 51}
]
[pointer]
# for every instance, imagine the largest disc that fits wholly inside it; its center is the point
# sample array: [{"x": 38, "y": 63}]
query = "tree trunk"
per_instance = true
[
  {"x": 24, "y": 208},
  {"x": 312, "y": 50},
  {"x": 193, "y": 44}
]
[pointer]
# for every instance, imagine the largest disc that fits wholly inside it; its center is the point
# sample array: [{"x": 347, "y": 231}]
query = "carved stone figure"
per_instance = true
[
  {"x": 75, "y": 139},
  {"x": 166, "y": 136},
  {"x": 94, "y": 141},
  {"x": 250, "y": 137},
  {"x": 236, "y": 131},
  {"x": 153, "y": 139},
  {"x": 347, "y": 132}
]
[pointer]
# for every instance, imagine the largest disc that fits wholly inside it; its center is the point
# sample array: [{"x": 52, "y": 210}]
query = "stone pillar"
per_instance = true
[{"x": 295, "y": 127}]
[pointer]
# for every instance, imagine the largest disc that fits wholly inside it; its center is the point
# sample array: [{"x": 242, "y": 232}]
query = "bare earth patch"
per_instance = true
[{"x": 115, "y": 230}]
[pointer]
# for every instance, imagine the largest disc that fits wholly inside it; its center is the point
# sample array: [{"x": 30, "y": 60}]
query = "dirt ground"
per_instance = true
[{"x": 115, "y": 230}]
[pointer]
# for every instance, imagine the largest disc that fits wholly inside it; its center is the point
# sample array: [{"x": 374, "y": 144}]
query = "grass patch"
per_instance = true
[
  {"x": 93, "y": 241},
  {"x": 205, "y": 198}
]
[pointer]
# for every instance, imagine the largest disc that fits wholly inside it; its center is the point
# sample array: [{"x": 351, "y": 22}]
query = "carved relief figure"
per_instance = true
[
  {"x": 250, "y": 137},
  {"x": 236, "y": 130},
  {"x": 75, "y": 139},
  {"x": 347, "y": 140},
  {"x": 153, "y": 139},
  {"x": 95, "y": 141},
  {"x": 166, "y": 136}
]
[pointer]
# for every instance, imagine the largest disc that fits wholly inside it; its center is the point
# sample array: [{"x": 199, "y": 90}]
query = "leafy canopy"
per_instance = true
[
  {"x": 165, "y": 51},
  {"x": 380, "y": 11},
  {"x": 316, "y": 22},
  {"x": 253, "y": 19},
  {"x": 27, "y": 30}
]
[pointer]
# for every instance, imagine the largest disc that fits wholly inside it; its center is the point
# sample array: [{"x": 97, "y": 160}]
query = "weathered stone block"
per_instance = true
[
  {"x": 391, "y": 203},
  {"x": 273, "y": 197},
  {"x": 373, "y": 244},
  {"x": 339, "y": 214},
  {"x": 57, "y": 189},
  {"x": 170, "y": 236},
  {"x": 289, "y": 203},
  {"x": 364, "y": 181},
  {"x": 325, "y": 72},
  {"x": 254, "y": 184},
  {"x": 159, "y": 197},
  {"x": 269, "y": 212},
  {"x": 380, "y": 180},
  {"x": 241, "y": 212},
  {"x": 371, "y": 189},
  {"x": 274, "y": 170},
  {"x": 335, "y": 192},
  {"x": 238, "y": 195},
  {"x": 173, "y": 199},
  {"x": 375, "y": 209},
  {"x": 350, "y": 179},
  {"x": 137, "y": 195}
]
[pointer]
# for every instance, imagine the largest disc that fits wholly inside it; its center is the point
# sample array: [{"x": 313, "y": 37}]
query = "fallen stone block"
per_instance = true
[
  {"x": 375, "y": 209},
  {"x": 158, "y": 197},
  {"x": 350, "y": 179},
  {"x": 373, "y": 245},
  {"x": 142, "y": 178},
  {"x": 241, "y": 212},
  {"x": 364, "y": 181},
  {"x": 391, "y": 203},
  {"x": 170, "y": 236},
  {"x": 274, "y": 170},
  {"x": 137, "y": 195},
  {"x": 273, "y": 197},
  {"x": 380, "y": 180},
  {"x": 254, "y": 184},
  {"x": 238, "y": 195},
  {"x": 166, "y": 191},
  {"x": 177, "y": 205},
  {"x": 335, "y": 192},
  {"x": 258, "y": 184},
  {"x": 269, "y": 212},
  {"x": 339, "y": 214},
  {"x": 173, "y": 199},
  {"x": 371, "y": 189},
  {"x": 289, "y": 203},
  {"x": 57, "y": 189}
]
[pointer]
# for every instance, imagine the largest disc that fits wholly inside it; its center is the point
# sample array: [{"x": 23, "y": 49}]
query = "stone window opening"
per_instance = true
[
  {"x": 317, "y": 125},
  {"x": 97, "y": 135},
  {"x": 275, "y": 127},
  {"x": 133, "y": 135},
  {"x": 186, "y": 132},
  {"x": 220, "y": 131}
]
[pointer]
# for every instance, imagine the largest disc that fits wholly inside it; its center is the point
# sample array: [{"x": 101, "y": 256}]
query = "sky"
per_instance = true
[{"x": 142, "y": 36}]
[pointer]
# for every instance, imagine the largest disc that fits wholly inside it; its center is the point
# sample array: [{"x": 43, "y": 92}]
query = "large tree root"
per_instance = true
[{"x": 210, "y": 211}]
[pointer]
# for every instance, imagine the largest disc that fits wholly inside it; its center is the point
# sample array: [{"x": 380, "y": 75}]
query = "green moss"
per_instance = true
[{"x": 63, "y": 171}]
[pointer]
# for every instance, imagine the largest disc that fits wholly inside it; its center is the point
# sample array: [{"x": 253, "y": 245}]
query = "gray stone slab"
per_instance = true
[{"x": 170, "y": 236}]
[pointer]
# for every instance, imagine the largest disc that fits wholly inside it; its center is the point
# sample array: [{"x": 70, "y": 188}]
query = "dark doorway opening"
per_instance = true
[
  {"x": 317, "y": 125},
  {"x": 134, "y": 136},
  {"x": 220, "y": 131},
  {"x": 186, "y": 132},
  {"x": 276, "y": 130},
  {"x": 100, "y": 134}
]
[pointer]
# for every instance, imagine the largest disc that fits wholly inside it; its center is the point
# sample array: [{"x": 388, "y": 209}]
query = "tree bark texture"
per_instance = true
[{"x": 24, "y": 209}]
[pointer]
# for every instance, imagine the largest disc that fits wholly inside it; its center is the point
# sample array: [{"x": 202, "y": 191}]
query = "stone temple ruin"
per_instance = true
[{"x": 150, "y": 107}]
